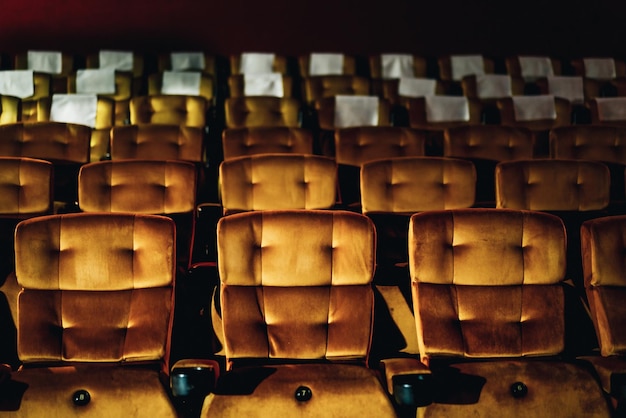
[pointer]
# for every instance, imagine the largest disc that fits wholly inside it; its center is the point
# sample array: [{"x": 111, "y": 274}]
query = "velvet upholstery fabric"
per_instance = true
[
  {"x": 25, "y": 186},
  {"x": 491, "y": 142},
  {"x": 33, "y": 107},
  {"x": 157, "y": 142},
  {"x": 255, "y": 111},
  {"x": 552, "y": 185},
  {"x": 589, "y": 142},
  {"x": 92, "y": 60},
  {"x": 165, "y": 187},
  {"x": 58, "y": 82},
  {"x": 355, "y": 146},
  {"x": 91, "y": 300},
  {"x": 278, "y": 181},
  {"x": 415, "y": 184},
  {"x": 169, "y": 110},
  {"x": 321, "y": 86},
  {"x": 296, "y": 286},
  {"x": 603, "y": 244},
  {"x": 487, "y": 287},
  {"x": 10, "y": 109},
  {"x": 239, "y": 142},
  {"x": 46, "y": 140}
]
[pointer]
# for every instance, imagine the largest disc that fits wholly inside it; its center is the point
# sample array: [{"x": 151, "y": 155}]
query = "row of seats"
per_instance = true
[{"x": 488, "y": 294}]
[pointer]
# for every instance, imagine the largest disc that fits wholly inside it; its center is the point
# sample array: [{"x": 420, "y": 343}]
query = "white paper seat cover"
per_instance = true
[
  {"x": 17, "y": 83},
  {"x": 270, "y": 84},
  {"x": 447, "y": 109},
  {"x": 529, "y": 108},
  {"x": 599, "y": 68},
  {"x": 355, "y": 111},
  {"x": 95, "y": 81},
  {"x": 463, "y": 65},
  {"x": 187, "y": 61},
  {"x": 186, "y": 83},
  {"x": 256, "y": 63},
  {"x": 493, "y": 86},
  {"x": 50, "y": 62},
  {"x": 567, "y": 87},
  {"x": 416, "y": 87},
  {"x": 535, "y": 67},
  {"x": 118, "y": 60},
  {"x": 611, "y": 108},
  {"x": 325, "y": 63},
  {"x": 397, "y": 65},
  {"x": 74, "y": 108}
]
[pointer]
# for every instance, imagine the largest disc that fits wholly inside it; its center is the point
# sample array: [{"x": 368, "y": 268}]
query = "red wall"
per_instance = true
[{"x": 294, "y": 26}]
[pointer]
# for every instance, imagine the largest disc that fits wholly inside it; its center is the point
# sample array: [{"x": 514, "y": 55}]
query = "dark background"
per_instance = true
[{"x": 497, "y": 28}]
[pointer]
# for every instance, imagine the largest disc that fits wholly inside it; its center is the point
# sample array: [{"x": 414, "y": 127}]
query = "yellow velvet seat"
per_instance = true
[
  {"x": 261, "y": 111},
  {"x": 121, "y": 96},
  {"x": 392, "y": 189},
  {"x": 186, "y": 61},
  {"x": 485, "y": 146},
  {"x": 490, "y": 315},
  {"x": 238, "y": 142},
  {"x": 37, "y": 107},
  {"x": 321, "y": 86},
  {"x": 10, "y": 109},
  {"x": 575, "y": 190},
  {"x": 277, "y": 181},
  {"x": 297, "y": 303},
  {"x": 279, "y": 63},
  {"x": 94, "y": 316},
  {"x": 385, "y": 71},
  {"x": 608, "y": 111},
  {"x": 166, "y": 188},
  {"x": 26, "y": 190},
  {"x": 325, "y": 108},
  {"x": 419, "y": 66},
  {"x": 136, "y": 66},
  {"x": 66, "y": 145},
  {"x": 602, "y": 254},
  {"x": 312, "y": 64},
  {"x": 358, "y": 145},
  {"x": 597, "y": 143},
  {"x": 169, "y": 110},
  {"x": 453, "y": 68}
]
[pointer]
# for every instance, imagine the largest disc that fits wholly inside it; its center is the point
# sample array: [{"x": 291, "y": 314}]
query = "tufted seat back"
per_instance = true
[
  {"x": 261, "y": 111},
  {"x": 238, "y": 142},
  {"x": 169, "y": 110}
]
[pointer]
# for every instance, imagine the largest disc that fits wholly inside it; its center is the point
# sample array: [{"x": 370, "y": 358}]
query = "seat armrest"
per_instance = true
[{"x": 409, "y": 381}]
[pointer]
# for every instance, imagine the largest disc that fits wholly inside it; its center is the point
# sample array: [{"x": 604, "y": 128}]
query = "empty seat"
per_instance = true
[
  {"x": 57, "y": 64},
  {"x": 490, "y": 315},
  {"x": 488, "y": 89},
  {"x": 258, "y": 111},
  {"x": 32, "y": 90},
  {"x": 608, "y": 111},
  {"x": 322, "y": 86},
  {"x": 258, "y": 63},
  {"x": 144, "y": 186},
  {"x": 321, "y": 360},
  {"x": 238, "y": 142},
  {"x": 96, "y": 323},
  {"x": 485, "y": 146},
  {"x": 358, "y": 145},
  {"x": 326, "y": 63},
  {"x": 532, "y": 67},
  {"x": 164, "y": 109},
  {"x": 398, "y": 65},
  {"x": 575, "y": 190},
  {"x": 26, "y": 189},
  {"x": 598, "y": 74},
  {"x": 277, "y": 181},
  {"x": 454, "y": 67},
  {"x": 66, "y": 145},
  {"x": 127, "y": 61},
  {"x": 596, "y": 143},
  {"x": 602, "y": 255},
  {"x": 270, "y": 84}
]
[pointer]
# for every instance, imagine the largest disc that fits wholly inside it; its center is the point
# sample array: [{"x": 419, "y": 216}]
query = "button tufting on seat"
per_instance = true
[
  {"x": 81, "y": 397},
  {"x": 519, "y": 390},
  {"x": 303, "y": 394}
]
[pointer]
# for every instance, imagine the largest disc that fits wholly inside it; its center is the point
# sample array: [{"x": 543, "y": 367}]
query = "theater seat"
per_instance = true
[
  {"x": 66, "y": 145},
  {"x": 357, "y": 145},
  {"x": 10, "y": 109},
  {"x": 169, "y": 110},
  {"x": 261, "y": 111},
  {"x": 304, "y": 353},
  {"x": 485, "y": 146},
  {"x": 94, "y": 316},
  {"x": 490, "y": 316},
  {"x": 602, "y": 254},
  {"x": 238, "y": 142},
  {"x": 26, "y": 190}
]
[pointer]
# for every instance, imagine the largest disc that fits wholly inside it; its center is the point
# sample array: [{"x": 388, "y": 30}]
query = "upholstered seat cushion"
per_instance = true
[
  {"x": 114, "y": 392},
  {"x": 337, "y": 391}
]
